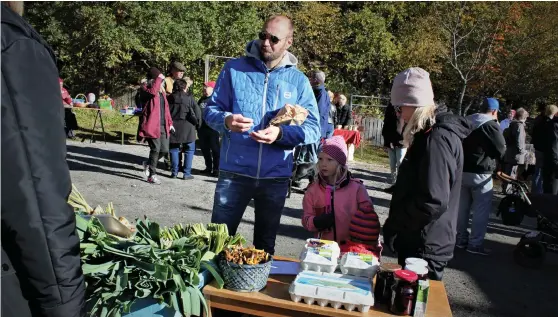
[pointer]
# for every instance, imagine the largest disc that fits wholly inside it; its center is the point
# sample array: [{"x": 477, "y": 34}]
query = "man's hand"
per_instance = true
[
  {"x": 389, "y": 238},
  {"x": 238, "y": 123},
  {"x": 266, "y": 136}
]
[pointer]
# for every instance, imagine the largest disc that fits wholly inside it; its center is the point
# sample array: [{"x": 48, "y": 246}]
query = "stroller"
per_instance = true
[{"x": 531, "y": 249}]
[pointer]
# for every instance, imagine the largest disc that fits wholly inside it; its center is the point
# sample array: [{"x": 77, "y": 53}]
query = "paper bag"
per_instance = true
[{"x": 290, "y": 115}]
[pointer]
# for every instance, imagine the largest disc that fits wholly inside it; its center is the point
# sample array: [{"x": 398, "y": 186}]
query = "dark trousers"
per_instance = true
[
  {"x": 234, "y": 192},
  {"x": 209, "y": 145},
  {"x": 550, "y": 182},
  {"x": 158, "y": 148},
  {"x": 409, "y": 246}
]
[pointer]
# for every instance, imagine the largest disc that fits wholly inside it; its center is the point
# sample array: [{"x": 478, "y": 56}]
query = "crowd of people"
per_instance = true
[{"x": 443, "y": 176}]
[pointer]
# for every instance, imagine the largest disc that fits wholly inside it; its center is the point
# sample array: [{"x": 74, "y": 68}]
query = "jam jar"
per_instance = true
[
  {"x": 421, "y": 271},
  {"x": 384, "y": 282},
  {"x": 403, "y": 293}
]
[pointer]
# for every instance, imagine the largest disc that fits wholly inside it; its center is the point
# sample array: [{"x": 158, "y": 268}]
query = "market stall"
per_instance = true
[
  {"x": 352, "y": 138},
  {"x": 147, "y": 270}
]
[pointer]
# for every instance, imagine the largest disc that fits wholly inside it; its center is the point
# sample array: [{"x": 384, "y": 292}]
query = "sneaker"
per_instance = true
[
  {"x": 173, "y": 175},
  {"x": 206, "y": 171},
  {"x": 188, "y": 177},
  {"x": 479, "y": 250},
  {"x": 145, "y": 168},
  {"x": 154, "y": 180},
  {"x": 461, "y": 245}
]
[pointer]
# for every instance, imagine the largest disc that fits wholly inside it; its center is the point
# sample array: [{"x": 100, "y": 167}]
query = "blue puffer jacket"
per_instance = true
[{"x": 245, "y": 86}]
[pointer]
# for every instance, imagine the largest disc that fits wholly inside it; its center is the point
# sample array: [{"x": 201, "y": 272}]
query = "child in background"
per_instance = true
[{"x": 337, "y": 206}]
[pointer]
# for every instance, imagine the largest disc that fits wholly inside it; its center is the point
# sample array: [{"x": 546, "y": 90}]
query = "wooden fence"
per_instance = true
[{"x": 372, "y": 131}]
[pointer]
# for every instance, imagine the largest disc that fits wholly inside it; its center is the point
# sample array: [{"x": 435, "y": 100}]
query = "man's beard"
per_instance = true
[{"x": 268, "y": 56}]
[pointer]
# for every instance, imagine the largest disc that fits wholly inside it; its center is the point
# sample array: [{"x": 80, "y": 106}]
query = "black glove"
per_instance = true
[
  {"x": 324, "y": 221},
  {"x": 389, "y": 238}
]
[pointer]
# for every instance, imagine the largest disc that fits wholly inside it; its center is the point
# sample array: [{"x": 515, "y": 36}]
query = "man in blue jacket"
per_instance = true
[
  {"x": 256, "y": 159},
  {"x": 317, "y": 80}
]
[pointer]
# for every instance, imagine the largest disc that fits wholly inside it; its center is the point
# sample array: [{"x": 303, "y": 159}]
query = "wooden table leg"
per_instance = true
[
  {"x": 92, "y": 139},
  {"x": 102, "y": 127},
  {"x": 209, "y": 313}
]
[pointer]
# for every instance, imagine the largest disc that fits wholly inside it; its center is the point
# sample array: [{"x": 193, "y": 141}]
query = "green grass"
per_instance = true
[
  {"x": 113, "y": 122},
  {"x": 372, "y": 154}
]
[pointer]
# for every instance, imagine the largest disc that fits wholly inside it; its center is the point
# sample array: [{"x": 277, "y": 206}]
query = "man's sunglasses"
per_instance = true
[{"x": 264, "y": 36}]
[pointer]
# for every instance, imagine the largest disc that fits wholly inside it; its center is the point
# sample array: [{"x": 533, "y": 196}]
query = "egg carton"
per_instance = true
[
  {"x": 320, "y": 259},
  {"x": 363, "y": 265},
  {"x": 334, "y": 289},
  {"x": 318, "y": 267},
  {"x": 333, "y": 304}
]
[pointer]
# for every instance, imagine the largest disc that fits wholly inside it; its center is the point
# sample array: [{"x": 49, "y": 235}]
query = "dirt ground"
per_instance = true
[{"x": 476, "y": 285}]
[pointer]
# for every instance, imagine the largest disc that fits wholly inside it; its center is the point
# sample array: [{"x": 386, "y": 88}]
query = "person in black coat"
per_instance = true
[
  {"x": 209, "y": 138},
  {"x": 41, "y": 269},
  {"x": 343, "y": 111},
  {"x": 392, "y": 131},
  {"x": 550, "y": 153},
  {"x": 423, "y": 210},
  {"x": 185, "y": 117}
]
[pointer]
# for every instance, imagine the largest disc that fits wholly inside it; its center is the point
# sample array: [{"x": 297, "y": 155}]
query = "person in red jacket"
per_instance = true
[
  {"x": 70, "y": 120},
  {"x": 156, "y": 123}
]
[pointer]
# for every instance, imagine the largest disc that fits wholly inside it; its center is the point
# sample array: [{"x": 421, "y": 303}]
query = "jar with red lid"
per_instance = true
[
  {"x": 384, "y": 281},
  {"x": 403, "y": 293}
]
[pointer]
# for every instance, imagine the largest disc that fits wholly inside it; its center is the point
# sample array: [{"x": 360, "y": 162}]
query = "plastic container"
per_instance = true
[
  {"x": 421, "y": 271},
  {"x": 357, "y": 264},
  {"x": 416, "y": 261},
  {"x": 319, "y": 256},
  {"x": 353, "y": 293}
]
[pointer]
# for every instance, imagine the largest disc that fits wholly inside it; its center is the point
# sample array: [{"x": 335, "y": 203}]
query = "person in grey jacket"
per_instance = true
[
  {"x": 483, "y": 149},
  {"x": 514, "y": 159}
]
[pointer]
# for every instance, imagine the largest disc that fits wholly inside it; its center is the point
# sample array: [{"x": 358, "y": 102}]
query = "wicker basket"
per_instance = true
[
  {"x": 244, "y": 278},
  {"x": 80, "y": 103}
]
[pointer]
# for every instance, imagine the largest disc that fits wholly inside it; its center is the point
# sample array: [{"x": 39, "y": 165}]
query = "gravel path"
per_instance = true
[{"x": 477, "y": 286}]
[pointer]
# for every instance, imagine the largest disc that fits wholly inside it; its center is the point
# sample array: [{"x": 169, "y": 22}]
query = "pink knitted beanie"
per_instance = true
[
  {"x": 336, "y": 148},
  {"x": 412, "y": 87}
]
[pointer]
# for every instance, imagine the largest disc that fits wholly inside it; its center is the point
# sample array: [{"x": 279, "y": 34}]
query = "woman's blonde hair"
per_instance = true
[
  {"x": 422, "y": 117},
  {"x": 551, "y": 110}
]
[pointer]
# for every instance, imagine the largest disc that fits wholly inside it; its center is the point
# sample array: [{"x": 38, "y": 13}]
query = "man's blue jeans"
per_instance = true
[
  {"x": 476, "y": 199},
  {"x": 189, "y": 149},
  {"x": 234, "y": 192}
]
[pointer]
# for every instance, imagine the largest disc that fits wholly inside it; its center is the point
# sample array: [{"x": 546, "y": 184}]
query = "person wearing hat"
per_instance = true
[
  {"x": 337, "y": 206},
  {"x": 176, "y": 72},
  {"x": 504, "y": 124},
  {"x": 483, "y": 149},
  {"x": 424, "y": 206},
  {"x": 209, "y": 138}
]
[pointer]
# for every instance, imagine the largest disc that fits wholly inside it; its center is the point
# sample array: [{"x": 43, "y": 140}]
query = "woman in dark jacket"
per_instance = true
[
  {"x": 423, "y": 212},
  {"x": 392, "y": 131},
  {"x": 550, "y": 152},
  {"x": 185, "y": 115}
]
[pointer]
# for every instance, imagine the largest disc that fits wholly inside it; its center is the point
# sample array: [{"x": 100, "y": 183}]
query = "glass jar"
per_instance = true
[
  {"x": 421, "y": 271},
  {"x": 384, "y": 281},
  {"x": 403, "y": 293}
]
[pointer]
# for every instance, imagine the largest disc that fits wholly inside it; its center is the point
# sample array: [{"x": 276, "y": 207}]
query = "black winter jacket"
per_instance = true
[
  {"x": 41, "y": 269},
  {"x": 550, "y": 149},
  {"x": 389, "y": 130},
  {"x": 186, "y": 117},
  {"x": 538, "y": 135},
  {"x": 343, "y": 115},
  {"x": 425, "y": 200},
  {"x": 484, "y": 147}
]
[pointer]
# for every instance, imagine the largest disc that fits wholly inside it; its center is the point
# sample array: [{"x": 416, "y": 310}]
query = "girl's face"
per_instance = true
[
  {"x": 407, "y": 112},
  {"x": 327, "y": 166}
]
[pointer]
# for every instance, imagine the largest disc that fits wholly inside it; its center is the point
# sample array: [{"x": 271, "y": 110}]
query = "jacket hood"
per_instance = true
[
  {"x": 479, "y": 119},
  {"x": 253, "y": 50},
  {"x": 454, "y": 123}
]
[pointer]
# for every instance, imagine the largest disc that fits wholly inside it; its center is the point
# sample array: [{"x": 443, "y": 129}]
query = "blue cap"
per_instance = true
[{"x": 490, "y": 104}]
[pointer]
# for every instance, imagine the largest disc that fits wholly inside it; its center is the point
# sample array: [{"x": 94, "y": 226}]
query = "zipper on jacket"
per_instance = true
[
  {"x": 228, "y": 147},
  {"x": 263, "y": 115}
]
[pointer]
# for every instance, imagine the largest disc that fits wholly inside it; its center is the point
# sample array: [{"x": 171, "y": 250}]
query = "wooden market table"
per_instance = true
[{"x": 274, "y": 301}]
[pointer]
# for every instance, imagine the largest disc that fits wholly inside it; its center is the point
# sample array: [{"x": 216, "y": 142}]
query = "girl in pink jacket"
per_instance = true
[{"x": 337, "y": 206}]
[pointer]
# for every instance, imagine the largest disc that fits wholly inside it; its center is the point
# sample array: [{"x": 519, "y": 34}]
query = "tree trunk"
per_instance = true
[
  {"x": 460, "y": 101},
  {"x": 468, "y": 106}
]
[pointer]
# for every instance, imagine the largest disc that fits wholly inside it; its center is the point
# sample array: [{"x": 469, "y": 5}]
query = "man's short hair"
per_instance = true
[
  {"x": 179, "y": 85},
  {"x": 550, "y": 110},
  {"x": 318, "y": 76},
  {"x": 521, "y": 114},
  {"x": 275, "y": 17}
]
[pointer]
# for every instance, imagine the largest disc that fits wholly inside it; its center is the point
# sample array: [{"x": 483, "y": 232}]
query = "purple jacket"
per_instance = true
[{"x": 151, "y": 115}]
